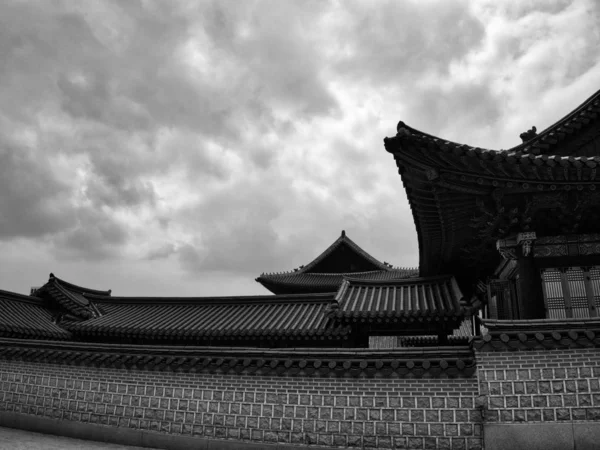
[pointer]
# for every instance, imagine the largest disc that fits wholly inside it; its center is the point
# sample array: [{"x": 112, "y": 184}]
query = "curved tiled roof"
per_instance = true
[
  {"x": 260, "y": 317},
  {"x": 22, "y": 316},
  {"x": 79, "y": 289},
  {"x": 456, "y": 191},
  {"x": 516, "y": 165},
  {"x": 421, "y": 299},
  {"x": 71, "y": 297},
  {"x": 327, "y": 282},
  {"x": 462, "y": 335}
]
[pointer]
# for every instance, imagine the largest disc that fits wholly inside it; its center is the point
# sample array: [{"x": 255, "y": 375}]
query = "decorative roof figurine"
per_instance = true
[{"x": 529, "y": 134}]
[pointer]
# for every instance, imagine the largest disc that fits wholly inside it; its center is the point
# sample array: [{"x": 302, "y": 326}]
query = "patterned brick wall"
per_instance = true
[
  {"x": 353, "y": 412},
  {"x": 541, "y": 385}
]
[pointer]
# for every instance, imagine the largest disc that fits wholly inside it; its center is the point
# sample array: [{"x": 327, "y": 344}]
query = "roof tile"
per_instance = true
[
  {"x": 330, "y": 281},
  {"x": 23, "y": 316},
  {"x": 415, "y": 298},
  {"x": 224, "y": 318}
]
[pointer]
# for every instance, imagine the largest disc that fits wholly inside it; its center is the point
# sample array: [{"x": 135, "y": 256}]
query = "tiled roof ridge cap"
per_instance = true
[
  {"x": 78, "y": 289},
  {"x": 16, "y": 296},
  {"x": 591, "y": 100},
  {"x": 400, "y": 281},
  {"x": 328, "y": 274},
  {"x": 404, "y": 130},
  {"x": 561, "y": 323},
  {"x": 231, "y": 300}
]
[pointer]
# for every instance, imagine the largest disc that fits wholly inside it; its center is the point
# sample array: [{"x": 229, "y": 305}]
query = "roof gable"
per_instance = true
[{"x": 343, "y": 256}]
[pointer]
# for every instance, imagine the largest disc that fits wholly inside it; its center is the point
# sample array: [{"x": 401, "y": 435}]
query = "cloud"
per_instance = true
[
  {"x": 24, "y": 175},
  {"x": 231, "y": 138},
  {"x": 162, "y": 252},
  {"x": 399, "y": 43}
]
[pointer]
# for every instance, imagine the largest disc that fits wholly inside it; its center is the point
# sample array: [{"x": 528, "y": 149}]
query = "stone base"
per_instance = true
[{"x": 542, "y": 436}]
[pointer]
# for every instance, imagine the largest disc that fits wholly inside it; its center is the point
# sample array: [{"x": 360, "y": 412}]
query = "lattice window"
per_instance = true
[
  {"x": 579, "y": 300},
  {"x": 553, "y": 293},
  {"x": 595, "y": 283},
  {"x": 571, "y": 291}
]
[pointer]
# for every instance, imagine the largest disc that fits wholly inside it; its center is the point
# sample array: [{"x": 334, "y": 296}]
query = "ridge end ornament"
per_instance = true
[{"x": 529, "y": 134}]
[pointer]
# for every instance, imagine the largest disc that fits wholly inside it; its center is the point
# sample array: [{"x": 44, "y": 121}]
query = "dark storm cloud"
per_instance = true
[
  {"x": 109, "y": 72},
  {"x": 273, "y": 45},
  {"x": 92, "y": 235},
  {"x": 236, "y": 228},
  {"x": 111, "y": 182}
]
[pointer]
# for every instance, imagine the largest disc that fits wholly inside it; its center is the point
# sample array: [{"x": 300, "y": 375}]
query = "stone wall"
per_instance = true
[
  {"x": 389, "y": 412},
  {"x": 541, "y": 386}
]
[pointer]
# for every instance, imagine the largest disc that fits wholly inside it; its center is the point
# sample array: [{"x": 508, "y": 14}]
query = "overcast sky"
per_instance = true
[{"x": 182, "y": 148}]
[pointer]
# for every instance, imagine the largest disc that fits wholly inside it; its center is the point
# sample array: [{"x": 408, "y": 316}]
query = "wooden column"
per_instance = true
[
  {"x": 589, "y": 291},
  {"x": 530, "y": 295}
]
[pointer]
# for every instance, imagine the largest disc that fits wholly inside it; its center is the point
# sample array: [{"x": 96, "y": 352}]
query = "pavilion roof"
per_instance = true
[
  {"x": 327, "y": 271},
  {"x": 464, "y": 198},
  {"x": 23, "y": 316},
  {"x": 326, "y": 282}
]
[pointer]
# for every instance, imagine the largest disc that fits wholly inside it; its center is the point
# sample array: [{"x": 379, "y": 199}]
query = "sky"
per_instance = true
[{"x": 183, "y": 148}]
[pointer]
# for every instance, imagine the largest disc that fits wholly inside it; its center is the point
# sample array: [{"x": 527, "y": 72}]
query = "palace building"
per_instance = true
[{"x": 493, "y": 342}]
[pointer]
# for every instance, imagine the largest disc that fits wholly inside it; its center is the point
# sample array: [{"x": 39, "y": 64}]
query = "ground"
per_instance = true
[{"x": 13, "y": 439}]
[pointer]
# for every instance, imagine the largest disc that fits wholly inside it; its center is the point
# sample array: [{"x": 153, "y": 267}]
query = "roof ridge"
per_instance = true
[
  {"x": 542, "y": 135},
  {"x": 400, "y": 280},
  {"x": 328, "y": 274},
  {"x": 242, "y": 300},
  {"x": 16, "y": 296},
  {"x": 405, "y": 130},
  {"x": 78, "y": 289}
]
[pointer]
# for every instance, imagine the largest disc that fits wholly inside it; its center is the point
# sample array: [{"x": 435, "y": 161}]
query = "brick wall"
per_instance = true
[
  {"x": 541, "y": 385},
  {"x": 353, "y": 412}
]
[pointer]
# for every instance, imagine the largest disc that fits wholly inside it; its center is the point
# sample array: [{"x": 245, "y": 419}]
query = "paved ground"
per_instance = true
[{"x": 13, "y": 439}]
